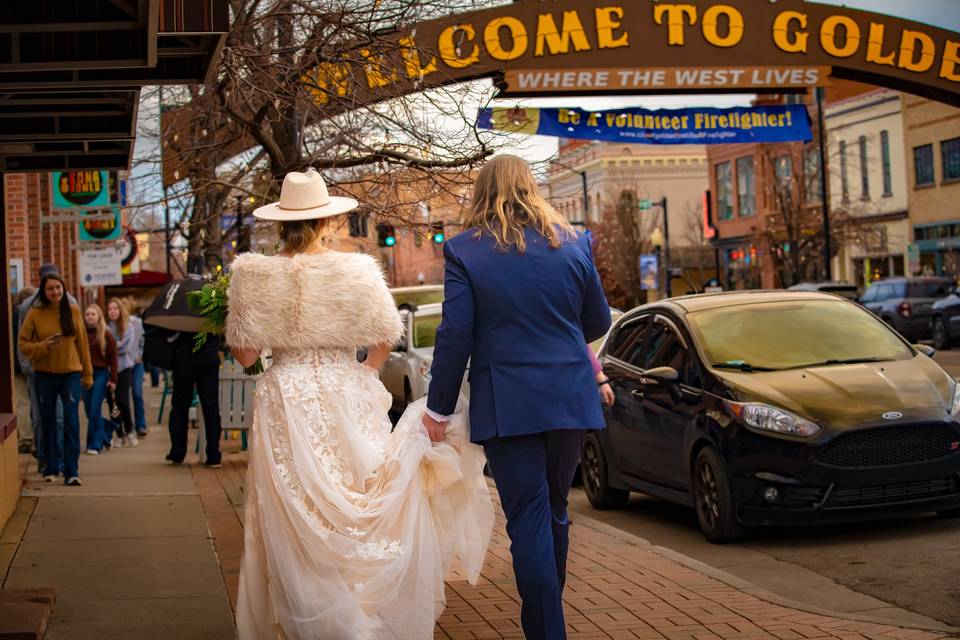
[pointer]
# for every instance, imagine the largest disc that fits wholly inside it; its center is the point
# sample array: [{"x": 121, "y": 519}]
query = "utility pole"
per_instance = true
[
  {"x": 668, "y": 289},
  {"x": 827, "y": 249},
  {"x": 644, "y": 205},
  {"x": 166, "y": 202}
]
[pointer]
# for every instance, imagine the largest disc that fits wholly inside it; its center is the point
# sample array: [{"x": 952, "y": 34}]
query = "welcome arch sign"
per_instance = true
[{"x": 588, "y": 47}]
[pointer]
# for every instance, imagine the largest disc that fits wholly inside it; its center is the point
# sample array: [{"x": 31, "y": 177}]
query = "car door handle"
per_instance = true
[{"x": 636, "y": 393}]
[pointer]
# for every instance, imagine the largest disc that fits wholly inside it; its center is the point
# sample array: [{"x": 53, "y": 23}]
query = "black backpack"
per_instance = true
[{"x": 159, "y": 346}]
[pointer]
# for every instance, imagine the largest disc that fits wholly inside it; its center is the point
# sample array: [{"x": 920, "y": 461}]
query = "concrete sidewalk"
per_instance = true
[
  {"x": 147, "y": 550},
  {"x": 128, "y": 553}
]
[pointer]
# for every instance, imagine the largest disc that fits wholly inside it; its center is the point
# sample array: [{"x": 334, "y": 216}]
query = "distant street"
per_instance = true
[{"x": 911, "y": 563}]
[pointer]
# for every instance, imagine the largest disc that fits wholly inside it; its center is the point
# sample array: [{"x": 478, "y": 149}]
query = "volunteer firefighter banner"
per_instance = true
[{"x": 662, "y": 126}]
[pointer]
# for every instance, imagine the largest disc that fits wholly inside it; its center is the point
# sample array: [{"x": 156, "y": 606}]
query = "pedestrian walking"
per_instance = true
[
  {"x": 54, "y": 340},
  {"x": 119, "y": 322},
  {"x": 103, "y": 358},
  {"x": 138, "y": 372},
  {"x": 521, "y": 298},
  {"x": 27, "y": 420},
  {"x": 39, "y": 450}
]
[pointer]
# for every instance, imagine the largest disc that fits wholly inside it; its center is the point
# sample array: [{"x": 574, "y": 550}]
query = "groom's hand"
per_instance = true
[{"x": 435, "y": 429}]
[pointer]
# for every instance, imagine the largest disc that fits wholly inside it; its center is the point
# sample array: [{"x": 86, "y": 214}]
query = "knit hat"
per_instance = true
[{"x": 48, "y": 268}]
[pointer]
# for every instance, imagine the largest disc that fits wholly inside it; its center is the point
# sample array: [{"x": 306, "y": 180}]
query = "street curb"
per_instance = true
[{"x": 749, "y": 588}]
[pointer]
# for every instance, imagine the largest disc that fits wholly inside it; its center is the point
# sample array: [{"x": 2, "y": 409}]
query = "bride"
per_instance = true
[{"x": 350, "y": 529}]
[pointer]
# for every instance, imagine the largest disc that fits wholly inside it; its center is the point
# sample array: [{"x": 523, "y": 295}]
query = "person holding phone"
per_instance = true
[{"x": 54, "y": 339}]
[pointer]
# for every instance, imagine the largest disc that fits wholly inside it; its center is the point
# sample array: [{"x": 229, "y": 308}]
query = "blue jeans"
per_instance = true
[
  {"x": 67, "y": 388},
  {"x": 136, "y": 387},
  {"x": 93, "y": 401},
  {"x": 39, "y": 448}
]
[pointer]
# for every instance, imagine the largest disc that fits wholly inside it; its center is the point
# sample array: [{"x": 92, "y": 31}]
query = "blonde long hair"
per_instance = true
[
  {"x": 506, "y": 201},
  {"x": 124, "y": 320},
  {"x": 101, "y": 329}
]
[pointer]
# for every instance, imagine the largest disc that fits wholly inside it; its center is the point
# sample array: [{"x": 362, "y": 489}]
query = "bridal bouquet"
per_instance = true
[{"x": 211, "y": 303}]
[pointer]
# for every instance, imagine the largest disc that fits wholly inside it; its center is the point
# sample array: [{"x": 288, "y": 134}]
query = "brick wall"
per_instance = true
[{"x": 27, "y": 198}]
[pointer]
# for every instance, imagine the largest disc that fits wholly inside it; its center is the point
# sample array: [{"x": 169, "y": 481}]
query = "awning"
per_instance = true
[
  {"x": 71, "y": 74},
  {"x": 146, "y": 279}
]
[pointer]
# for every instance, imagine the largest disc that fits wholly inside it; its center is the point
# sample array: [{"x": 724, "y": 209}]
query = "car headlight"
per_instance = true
[
  {"x": 955, "y": 405},
  {"x": 767, "y": 418}
]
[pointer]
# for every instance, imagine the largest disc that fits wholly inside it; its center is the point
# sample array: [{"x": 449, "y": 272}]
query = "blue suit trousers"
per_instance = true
[{"x": 533, "y": 475}]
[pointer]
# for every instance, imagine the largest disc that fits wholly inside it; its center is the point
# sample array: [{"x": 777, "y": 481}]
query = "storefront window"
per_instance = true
[{"x": 743, "y": 267}]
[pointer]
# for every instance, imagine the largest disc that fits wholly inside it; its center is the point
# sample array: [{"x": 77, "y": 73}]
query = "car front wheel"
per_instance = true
[
  {"x": 593, "y": 469},
  {"x": 713, "y": 497},
  {"x": 941, "y": 339}
]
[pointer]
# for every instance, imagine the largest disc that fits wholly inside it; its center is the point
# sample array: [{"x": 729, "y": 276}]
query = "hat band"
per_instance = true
[{"x": 313, "y": 206}]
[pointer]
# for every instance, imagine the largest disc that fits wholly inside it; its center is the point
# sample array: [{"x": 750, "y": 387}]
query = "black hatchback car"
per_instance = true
[{"x": 764, "y": 408}]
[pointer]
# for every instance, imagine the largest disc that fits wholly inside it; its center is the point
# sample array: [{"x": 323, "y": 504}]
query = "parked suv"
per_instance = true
[
  {"x": 906, "y": 304},
  {"x": 945, "y": 321}
]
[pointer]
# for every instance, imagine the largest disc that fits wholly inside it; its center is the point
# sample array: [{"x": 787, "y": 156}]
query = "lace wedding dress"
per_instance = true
[{"x": 350, "y": 529}]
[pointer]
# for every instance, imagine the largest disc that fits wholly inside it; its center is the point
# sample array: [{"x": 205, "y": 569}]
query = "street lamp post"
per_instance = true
[{"x": 647, "y": 204}]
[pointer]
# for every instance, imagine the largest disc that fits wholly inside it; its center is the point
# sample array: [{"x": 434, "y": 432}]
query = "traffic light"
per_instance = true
[
  {"x": 386, "y": 235},
  {"x": 436, "y": 232}
]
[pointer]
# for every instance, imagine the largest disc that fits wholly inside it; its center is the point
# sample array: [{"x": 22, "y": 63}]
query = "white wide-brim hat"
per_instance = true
[{"x": 304, "y": 196}]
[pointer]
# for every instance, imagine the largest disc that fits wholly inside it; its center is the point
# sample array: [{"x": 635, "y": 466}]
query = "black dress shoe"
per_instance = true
[{"x": 174, "y": 460}]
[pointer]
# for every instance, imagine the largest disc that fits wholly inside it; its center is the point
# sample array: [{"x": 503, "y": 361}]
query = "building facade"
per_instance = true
[
  {"x": 586, "y": 181},
  {"x": 932, "y": 148},
  {"x": 869, "y": 201}
]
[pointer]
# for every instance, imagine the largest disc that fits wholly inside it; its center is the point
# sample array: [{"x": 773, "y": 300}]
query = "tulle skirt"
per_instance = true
[{"x": 350, "y": 529}]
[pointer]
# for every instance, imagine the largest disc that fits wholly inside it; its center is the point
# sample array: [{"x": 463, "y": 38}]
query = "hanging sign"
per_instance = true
[
  {"x": 100, "y": 267},
  {"x": 81, "y": 189},
  {"x": 775, "y": 123},
  {"x": 96, "y": 226}
]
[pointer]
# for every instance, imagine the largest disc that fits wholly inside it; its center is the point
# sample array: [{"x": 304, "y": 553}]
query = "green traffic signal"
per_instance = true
[
  {"x": 390, "y": 241},
  {"x": 438, "y": 238}
]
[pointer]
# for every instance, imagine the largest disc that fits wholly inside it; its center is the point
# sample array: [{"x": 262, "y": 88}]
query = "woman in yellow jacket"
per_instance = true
[{"x": 54, "y": 339}]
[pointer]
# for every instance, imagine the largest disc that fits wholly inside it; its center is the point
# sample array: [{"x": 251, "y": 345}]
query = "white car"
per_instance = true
[{"x": 406, "y": 373}]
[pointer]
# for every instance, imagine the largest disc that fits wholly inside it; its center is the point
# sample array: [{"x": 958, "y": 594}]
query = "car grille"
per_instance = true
[
  {"x": 894, "y": 445},
  {"x": 892, "y": 493}
]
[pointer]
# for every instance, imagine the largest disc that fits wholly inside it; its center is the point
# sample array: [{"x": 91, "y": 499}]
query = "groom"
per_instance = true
[{"x": 523, "y": 320}]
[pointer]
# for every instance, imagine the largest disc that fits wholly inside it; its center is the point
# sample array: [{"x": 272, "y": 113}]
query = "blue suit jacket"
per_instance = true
[{"x": 523, "y": 321}]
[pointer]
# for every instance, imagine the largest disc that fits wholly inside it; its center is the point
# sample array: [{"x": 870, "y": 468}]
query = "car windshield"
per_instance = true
[
  {"x": 849, "y": 293},
  {"x": 794, "y": 334},
  {"x": 928, "y": 289},
  {"x": 419, "y": 298},
  {"x": 425, "y": 330}
]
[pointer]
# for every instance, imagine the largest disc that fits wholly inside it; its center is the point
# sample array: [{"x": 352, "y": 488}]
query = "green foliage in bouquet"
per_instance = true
[{"x": 211, "y": 303}]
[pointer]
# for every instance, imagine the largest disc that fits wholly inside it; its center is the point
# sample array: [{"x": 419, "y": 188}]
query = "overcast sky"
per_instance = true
[{"x": 941, "y": 13}]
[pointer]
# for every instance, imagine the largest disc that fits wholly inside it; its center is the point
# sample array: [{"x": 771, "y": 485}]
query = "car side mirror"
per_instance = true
[
  {"x": 401, "y": 345},
  {"x": 663, "y": 375},
  {"x": 926, "y": 350}
]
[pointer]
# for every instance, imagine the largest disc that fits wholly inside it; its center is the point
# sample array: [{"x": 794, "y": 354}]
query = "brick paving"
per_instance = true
[{"x": 617, "y": 587}]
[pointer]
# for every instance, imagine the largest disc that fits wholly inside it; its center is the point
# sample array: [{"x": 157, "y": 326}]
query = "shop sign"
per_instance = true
[
  {"x": 100, "y": 226},
  {"x": 100, "y": 267},
  {"x": 81, "y": 189}
]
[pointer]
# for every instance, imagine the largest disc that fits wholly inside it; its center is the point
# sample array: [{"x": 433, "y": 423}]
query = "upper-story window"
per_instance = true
[
  {"x": 725, "y": 191},
  {"x": 924, "y": 175},
  {"x": 950, "y": 150},
  {"x": 746, "y": 187}
]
